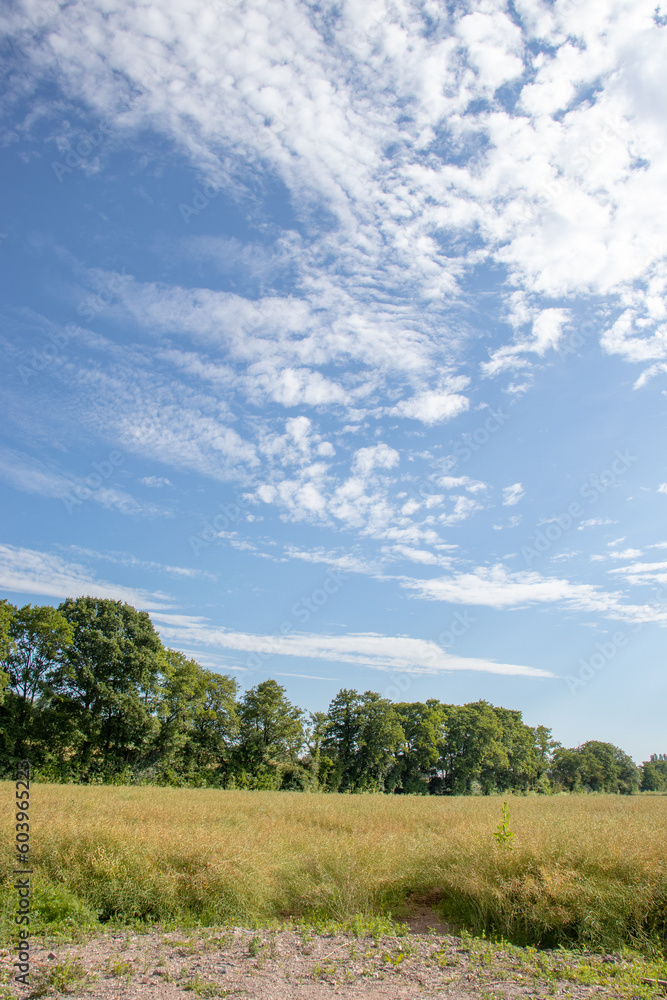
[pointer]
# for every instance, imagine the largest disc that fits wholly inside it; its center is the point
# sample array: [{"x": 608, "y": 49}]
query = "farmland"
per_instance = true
[{"x": 587, "y": 870}]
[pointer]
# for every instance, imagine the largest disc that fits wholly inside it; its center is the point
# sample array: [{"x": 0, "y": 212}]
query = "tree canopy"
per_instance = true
[{"x": 89, "y": 693}]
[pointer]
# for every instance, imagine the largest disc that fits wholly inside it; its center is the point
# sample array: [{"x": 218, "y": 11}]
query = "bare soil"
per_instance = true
[{"x": 243, "y": 964}]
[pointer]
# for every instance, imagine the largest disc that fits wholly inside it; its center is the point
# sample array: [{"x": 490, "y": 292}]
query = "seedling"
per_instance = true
[{"x": 503, "y": 834}]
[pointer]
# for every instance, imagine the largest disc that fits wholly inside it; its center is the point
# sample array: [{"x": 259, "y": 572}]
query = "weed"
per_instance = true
[
  {"x": 394, "y": 959},
  {"x": 118, "y": 968},
  {"x": 255, "y": 946},
  {"x": 203, "y": 987},
  {"x": 503, "y": 835},
  {"x": 63, "y": 977},
  {"x": 325, "y": 970}
]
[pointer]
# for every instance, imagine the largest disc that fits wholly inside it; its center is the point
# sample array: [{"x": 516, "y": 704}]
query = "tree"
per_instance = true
[
  {"x": 595, "y": 767},
  {"x": 654, "y": 774},
  {"x": 270, "y": 732},
  {"x": 472, "y": 749},
  {"x": 35, "y": 642},
  {"x": 109, "y": 684},
  {"x": 316, "y": 763},
  {"x": 7, "y": 612},
  {"x": 380, "y": 738},
  {"x": 424, "y": 727},
  {"x": 341, "y": 740},
  {"x": 198, "y": 723},
  {"x": 545, "y": 747},
  {"x": 363, "y": 737},
  {"x": 522, "y": 755}
]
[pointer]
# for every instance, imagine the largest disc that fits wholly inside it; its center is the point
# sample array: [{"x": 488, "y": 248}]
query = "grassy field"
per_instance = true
[{"x": 582, "y": 870}]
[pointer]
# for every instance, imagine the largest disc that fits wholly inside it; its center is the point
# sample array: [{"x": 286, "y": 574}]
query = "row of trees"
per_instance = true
[{"x": 89, "y": 693}]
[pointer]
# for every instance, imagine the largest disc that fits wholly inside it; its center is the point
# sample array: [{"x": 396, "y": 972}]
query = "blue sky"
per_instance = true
[{"x": 335, "y": 338}]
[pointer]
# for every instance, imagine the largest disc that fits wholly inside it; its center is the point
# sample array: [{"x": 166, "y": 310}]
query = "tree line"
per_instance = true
[{"x": 88, "y": 693}]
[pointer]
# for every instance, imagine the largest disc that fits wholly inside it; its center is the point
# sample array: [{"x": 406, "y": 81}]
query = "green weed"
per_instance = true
[
  {"x": 503, "y": 835},
  {"x": 63, "y": 977}
]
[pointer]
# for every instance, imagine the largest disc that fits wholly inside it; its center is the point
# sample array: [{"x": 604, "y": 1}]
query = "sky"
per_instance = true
[{"x": 334, "y": 336}]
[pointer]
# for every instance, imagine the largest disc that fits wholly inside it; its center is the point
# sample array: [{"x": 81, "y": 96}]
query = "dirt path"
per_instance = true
[{"x": 282, "y": 965}]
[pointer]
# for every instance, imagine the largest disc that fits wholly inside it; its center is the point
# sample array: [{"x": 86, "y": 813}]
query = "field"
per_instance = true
[{"x": 581, "y": 870}]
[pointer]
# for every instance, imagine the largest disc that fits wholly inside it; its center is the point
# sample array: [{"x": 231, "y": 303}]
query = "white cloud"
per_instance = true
[
  {"x": 642, "y": 573},
  {"x": 131, "y": 561},
  {"x": 547, "y": 330},
  {"x": 368, "y": 649},
  {"x": 321, "y": 112},
  {"x": 496, "y": 587},
  {"x": 594, "y": 522},
  {"x": 512, "y": 494},
  {"x": 42, "y": 574},
  {"x": 155, "y": 481},
  {"x": 346, "y": 562},
  {"x": 422, "y": 556},
  {"x": 379, "y": 456},
  {"x": 432, "y": 407}
]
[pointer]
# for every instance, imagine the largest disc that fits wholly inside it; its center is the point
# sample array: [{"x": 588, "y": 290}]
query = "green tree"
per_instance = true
[
  {"x": 270, "y": 734},
  {"x": 316, "y": 763},
  {"x": 341, "y": 739},
  {"x": 108, "y": 689},
  {"x": 7, "y": 612},
  {"x": 362, "y": 738},
  {"x": 35, "y": 641},
  {"x": 198, "y": 724},
  {"x": 472, "y": 749},
  {"x": 518, "y": 768},
  {"x": 545, "y": 746},
  {"x": 424, "y": 726},
  {"x": 654, "y": 774},
  {"x": 379, "y": 739},
  {"x": 595, "y": 767}
]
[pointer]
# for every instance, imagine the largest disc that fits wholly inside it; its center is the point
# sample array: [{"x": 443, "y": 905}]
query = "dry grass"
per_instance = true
[{"x": 590, "y": 870}]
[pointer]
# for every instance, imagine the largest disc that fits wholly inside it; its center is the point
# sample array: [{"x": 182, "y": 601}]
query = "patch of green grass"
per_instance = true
[
  {"x": 7, "y": 992},
  {"x": 55, "y": 911},
  {"x": 61, "y": 977},
  {"x": 255, "y": 946},
  {"x": 203, "y": 987},
  {"x": 622, "y": 973},
  {"x": 119, "y": 968}
]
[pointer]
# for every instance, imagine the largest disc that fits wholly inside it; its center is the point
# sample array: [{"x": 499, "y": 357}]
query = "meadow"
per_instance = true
[{"x": 580, "y": 870}]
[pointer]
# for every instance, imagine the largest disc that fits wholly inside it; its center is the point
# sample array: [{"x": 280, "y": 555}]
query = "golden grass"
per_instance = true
[{"x": 583, "y": 869}]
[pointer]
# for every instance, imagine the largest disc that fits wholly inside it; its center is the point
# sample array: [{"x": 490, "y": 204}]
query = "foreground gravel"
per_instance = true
[{"x": 280, "y": 965}]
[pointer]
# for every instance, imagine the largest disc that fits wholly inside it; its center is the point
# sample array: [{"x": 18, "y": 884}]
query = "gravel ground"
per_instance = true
[{"x": 282, "y": 965}]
